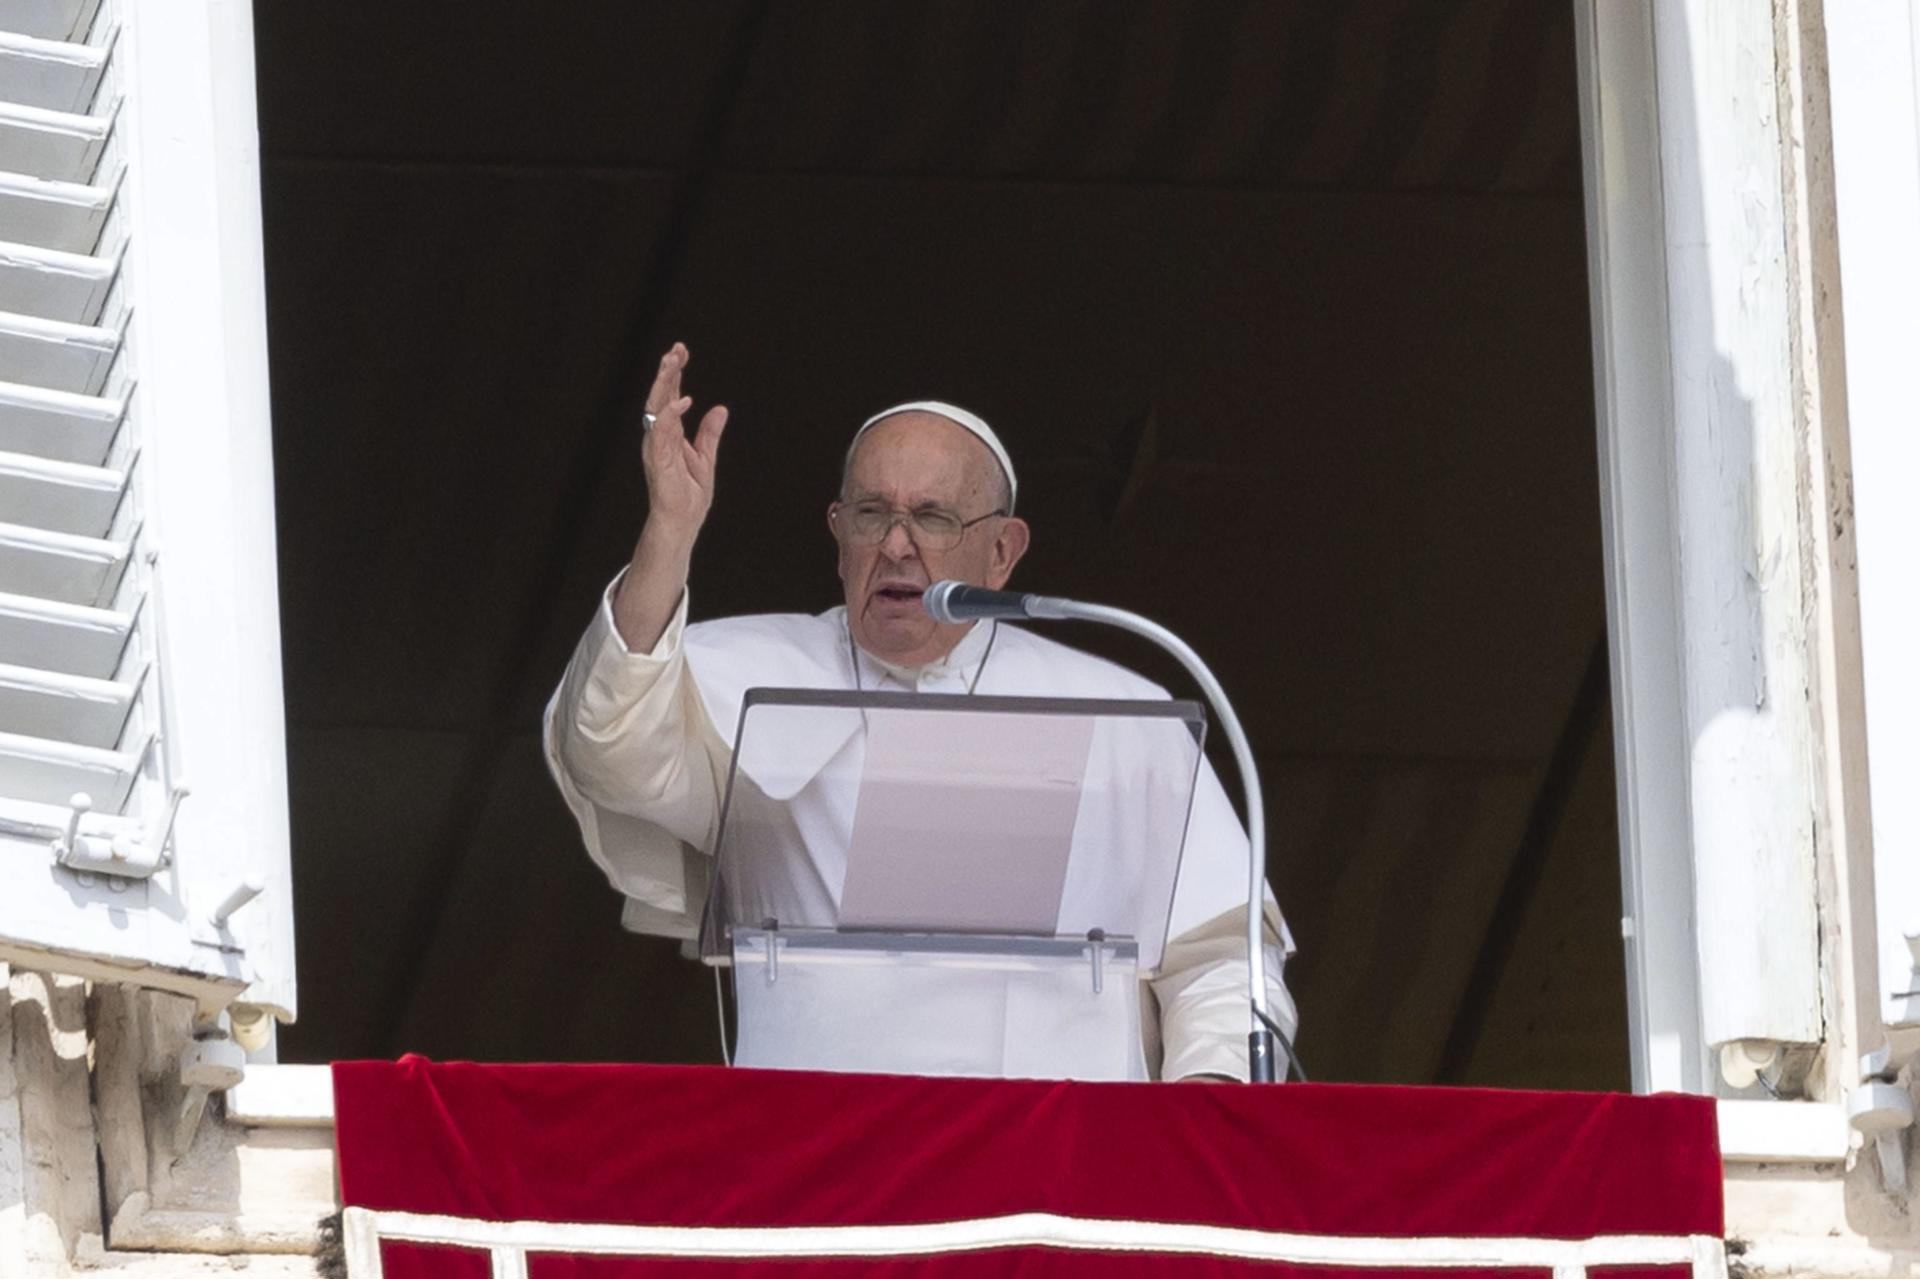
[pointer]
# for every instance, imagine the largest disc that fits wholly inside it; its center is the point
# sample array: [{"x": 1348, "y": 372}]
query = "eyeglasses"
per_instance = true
[{"x": 932, "y": 528}]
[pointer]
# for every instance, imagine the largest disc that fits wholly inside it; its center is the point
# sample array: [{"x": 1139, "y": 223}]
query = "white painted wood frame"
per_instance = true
[
  {"x": 1627, "y": 283},
  {"x": 1700, "y": 454},
  {"x": 1873, "y": 57},
  {"x": 198, "y": 300}
]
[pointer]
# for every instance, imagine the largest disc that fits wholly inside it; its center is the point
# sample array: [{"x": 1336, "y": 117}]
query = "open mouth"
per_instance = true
[{"x": 899, "y": 594}]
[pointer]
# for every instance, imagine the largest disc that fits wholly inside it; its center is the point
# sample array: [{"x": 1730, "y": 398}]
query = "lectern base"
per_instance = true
[{"x": 1021, "y": 1008}]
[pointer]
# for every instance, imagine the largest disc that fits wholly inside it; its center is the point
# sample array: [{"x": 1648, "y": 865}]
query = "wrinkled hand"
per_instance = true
[{"x": 679, "y": 471}]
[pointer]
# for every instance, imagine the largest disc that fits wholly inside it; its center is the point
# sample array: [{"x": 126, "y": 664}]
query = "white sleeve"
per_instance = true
[
  {"x": 1201, "y": 989},
  {"x": 639, "y": 762},
  {"x": 1202, "y": 995}
]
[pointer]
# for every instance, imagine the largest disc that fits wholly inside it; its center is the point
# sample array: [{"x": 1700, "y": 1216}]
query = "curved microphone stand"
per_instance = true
[{"x": 958, "y": 602}]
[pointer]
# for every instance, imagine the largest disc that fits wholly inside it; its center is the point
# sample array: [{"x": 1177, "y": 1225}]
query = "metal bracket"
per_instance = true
[
  {"x": 211, "y": 929},
  {"x": 240, "y": 894},
  {"x": 1883, "y": 1113},
  {"x": 1744, "y": 1062},
  {"x": 211, "y": 1062},
  {"x": 128, "y": 855},
  {"x": 1906, "y": 1003},
  {"x": 1097, "y": 947}
]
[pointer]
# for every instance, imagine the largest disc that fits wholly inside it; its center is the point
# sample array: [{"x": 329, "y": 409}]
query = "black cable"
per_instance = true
[{"x": 1294, "y": 1067}]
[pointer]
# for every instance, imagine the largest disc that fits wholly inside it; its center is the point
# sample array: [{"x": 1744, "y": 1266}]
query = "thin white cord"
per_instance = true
[{"x": 720, "y": 1005}]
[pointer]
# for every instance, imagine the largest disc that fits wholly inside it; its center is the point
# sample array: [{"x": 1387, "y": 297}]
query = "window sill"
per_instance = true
[
  {"x": 1783, "y": 1132},
  {"x": 282, "y": 1097},
  {"x": 1751, "y": 1132}
]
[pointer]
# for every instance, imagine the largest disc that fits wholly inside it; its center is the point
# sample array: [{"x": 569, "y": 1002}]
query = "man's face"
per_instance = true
[{"x": 917, "y": 462}]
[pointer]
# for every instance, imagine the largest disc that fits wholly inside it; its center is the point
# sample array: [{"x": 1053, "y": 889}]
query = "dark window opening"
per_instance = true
[{"x": 1281, "y": 309}]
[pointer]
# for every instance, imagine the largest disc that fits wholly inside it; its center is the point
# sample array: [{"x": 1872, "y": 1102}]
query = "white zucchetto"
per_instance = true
[{"x": 973, "y": 423}]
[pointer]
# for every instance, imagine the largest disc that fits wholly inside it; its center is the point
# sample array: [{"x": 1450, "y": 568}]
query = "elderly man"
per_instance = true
[{"x": 637, "y": 733}]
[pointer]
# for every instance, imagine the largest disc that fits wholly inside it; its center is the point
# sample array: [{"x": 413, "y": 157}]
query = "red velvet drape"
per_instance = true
[{"x": 706, "y": 1146}]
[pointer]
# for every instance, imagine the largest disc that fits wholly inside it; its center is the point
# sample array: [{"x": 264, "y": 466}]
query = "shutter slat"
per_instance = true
[
  {"x": 61, "y": 712},
  {"x": 61, "y": 496},
  {"x": 40, "y": 771},
  {"x": 55, "y": 354},
  {"x": 54, "y": 285},
  {"x": 60, "y": 566},
  {"x": 55, "y": 74},
  {"x": 49, "y": 19},
  {"x": 59, "y": 425},
  {"x": 66, "y": 708},
  {"x": 59, "y": 145},
  {"x": 51, "y": 636},
  {"x": 54, "y": 215}
]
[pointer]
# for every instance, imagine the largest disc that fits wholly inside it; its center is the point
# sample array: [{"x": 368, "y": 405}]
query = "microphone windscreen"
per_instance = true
[{"x": 937, "y": 600}]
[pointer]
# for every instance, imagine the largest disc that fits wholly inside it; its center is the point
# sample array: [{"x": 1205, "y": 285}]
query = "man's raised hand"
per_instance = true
[
  {"x": 679, "y": 471},
  {"x": 679, "y": 494}
]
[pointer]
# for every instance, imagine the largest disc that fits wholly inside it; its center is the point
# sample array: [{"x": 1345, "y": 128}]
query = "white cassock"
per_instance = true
[{"x": 639, "y": 744}]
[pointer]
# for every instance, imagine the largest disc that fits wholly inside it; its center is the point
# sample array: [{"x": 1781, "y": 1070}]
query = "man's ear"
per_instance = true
[
  {"x": 839, "y": 547},
  {"x": 1009, "y": 544}
]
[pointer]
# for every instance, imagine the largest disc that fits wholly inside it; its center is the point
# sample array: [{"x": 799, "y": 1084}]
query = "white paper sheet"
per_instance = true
[{"x": 965, "y": 823}]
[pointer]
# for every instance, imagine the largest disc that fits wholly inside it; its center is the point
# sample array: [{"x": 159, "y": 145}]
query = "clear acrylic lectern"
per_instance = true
[{"x": 939, "y": 884}]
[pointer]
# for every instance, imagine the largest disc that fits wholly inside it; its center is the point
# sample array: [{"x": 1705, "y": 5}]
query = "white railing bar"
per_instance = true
[
  {"x": 360, "y": 1241},
  {"x": 1709, "y": 1257},
  {"x": 509, "y": 1262},
  {"x": 1704, "y": 1253}
]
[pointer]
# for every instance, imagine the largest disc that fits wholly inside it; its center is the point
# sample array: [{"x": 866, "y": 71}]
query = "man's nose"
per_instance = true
[{"x": 898, "y": 544}]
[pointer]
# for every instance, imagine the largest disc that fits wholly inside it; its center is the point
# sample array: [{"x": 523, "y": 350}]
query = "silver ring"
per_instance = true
[{"x": 647, "y": 420}]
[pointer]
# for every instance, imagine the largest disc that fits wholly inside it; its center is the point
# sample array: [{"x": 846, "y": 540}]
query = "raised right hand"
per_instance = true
[{"x": 679, "y": 471}]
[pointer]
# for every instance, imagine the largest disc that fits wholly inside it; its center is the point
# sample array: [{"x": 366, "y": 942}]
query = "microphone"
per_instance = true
[{"x": 951, "y": 601}]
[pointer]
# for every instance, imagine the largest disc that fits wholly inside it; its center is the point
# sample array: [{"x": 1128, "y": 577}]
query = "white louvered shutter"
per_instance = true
[{"x": 142, "y": 757}]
